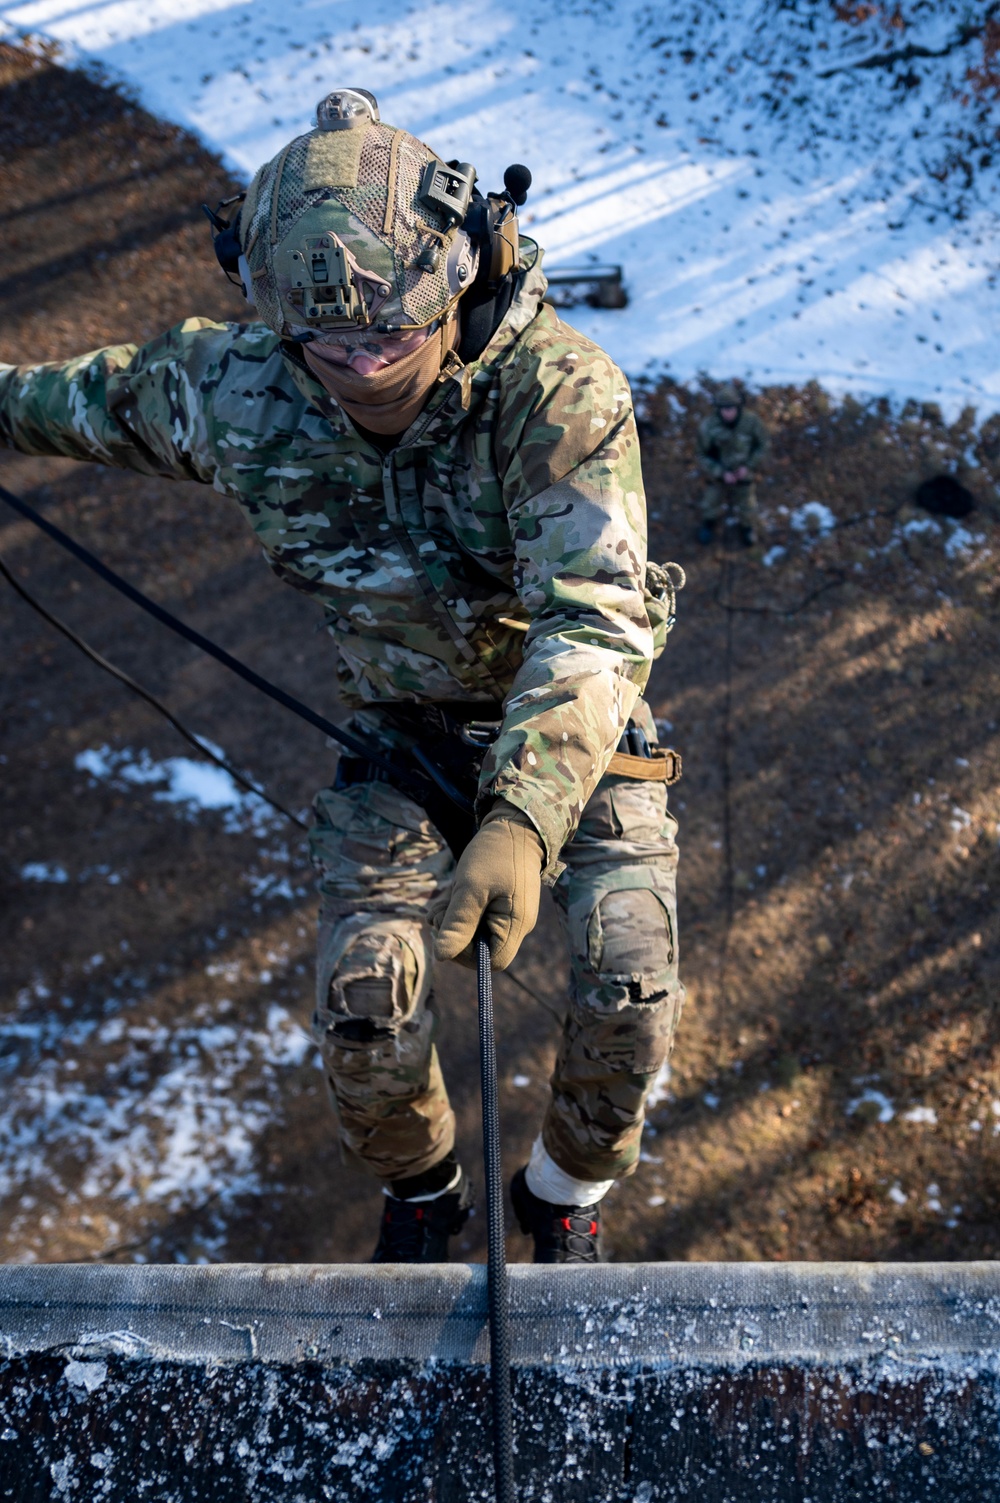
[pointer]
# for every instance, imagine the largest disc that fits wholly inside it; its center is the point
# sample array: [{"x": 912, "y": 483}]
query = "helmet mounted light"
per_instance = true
[{"x": 347, "y": 109}]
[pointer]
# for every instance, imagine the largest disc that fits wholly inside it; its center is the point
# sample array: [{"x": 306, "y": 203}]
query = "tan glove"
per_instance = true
[{"x": 499, "y": 878}]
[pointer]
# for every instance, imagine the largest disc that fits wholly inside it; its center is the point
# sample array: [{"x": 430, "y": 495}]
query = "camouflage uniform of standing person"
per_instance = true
[
  {"x": 420, "y": 444},
  {"x": 731, "y": 444}
]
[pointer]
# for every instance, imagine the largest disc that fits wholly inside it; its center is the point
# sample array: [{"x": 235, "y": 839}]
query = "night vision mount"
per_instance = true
[{"x": 330, "y": 287}]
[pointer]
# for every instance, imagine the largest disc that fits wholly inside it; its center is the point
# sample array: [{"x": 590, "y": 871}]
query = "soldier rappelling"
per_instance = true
[{"x": 453, "y": 474}]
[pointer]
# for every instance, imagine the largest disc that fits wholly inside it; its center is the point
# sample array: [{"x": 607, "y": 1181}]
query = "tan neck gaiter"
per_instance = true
[{"x": 388, "y": 401}]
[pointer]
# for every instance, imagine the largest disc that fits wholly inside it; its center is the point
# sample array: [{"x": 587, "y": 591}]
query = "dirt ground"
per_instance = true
[{"x": 835, "y": 1091}]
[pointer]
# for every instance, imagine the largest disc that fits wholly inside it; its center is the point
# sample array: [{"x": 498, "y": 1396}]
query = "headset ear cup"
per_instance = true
[
  {"x": 494, "y": 229},
  {"x": 228, "y": 249},
  {"x": 506, "y": 249}
]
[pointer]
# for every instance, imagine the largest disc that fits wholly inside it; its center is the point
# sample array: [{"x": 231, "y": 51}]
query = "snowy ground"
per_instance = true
[
  {"x": 191, "y": 1136},
  {"x": 781, "y": 208}
]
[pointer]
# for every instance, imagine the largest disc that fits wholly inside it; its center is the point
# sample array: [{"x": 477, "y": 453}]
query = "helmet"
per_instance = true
[
  {"x": 728, "y": 395},
  {"x": 356, "y": 224}
]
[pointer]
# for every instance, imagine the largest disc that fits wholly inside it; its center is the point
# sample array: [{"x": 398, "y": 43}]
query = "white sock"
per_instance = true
[
  {"x": 549, "y": 1182},
  {"x": 434, "y": 1195}
]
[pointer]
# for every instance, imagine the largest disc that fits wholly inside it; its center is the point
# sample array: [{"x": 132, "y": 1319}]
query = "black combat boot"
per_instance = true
[
  {"x": 747, "y": 535},
  {"x": 706, "y": 532},
  {"x": 563, "y": 1234},
  {"x": 417, "y": 1231}
]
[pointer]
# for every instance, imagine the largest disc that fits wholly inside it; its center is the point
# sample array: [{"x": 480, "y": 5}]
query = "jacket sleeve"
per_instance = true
[
  {"x": 710, "y": 464},
  {"x": 569, "y": 454},
  {"x": 136, "y": 408}
]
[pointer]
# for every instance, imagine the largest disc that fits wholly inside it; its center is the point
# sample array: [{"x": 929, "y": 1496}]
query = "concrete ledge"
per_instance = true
[{"x": 652, "y": 1383}]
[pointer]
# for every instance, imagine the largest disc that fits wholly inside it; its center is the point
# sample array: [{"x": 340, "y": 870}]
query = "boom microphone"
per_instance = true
[{"x": 517, "y": 181}]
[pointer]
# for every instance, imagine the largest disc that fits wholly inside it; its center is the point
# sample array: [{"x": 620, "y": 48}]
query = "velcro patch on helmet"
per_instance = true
[{"x": 333, "y": 159}]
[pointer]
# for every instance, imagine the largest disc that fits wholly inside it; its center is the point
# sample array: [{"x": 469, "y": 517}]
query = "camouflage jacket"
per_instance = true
[
  {"x": 723, "y": 448},
  {"x": 516, "y": 493}
]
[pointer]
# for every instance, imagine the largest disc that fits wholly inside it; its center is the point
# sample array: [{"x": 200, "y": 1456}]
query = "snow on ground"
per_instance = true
[
  {"x": 191, "y": 784},
  {"x": 179, "y": 1110},
  {"x": 782, "y": 208},
  {"x": 188, "y": 1133},
  {"x": 184, "y": 1139}
]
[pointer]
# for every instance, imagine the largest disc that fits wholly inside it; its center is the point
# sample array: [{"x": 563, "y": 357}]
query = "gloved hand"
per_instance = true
[{"x": 499, "y": 878}]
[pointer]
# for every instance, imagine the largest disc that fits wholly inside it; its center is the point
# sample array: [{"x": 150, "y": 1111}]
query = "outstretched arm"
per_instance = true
[{"x": 135, "y": 408}]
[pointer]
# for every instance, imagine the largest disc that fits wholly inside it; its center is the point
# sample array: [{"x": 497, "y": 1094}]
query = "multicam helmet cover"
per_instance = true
[{"x": 336, "y": 235}]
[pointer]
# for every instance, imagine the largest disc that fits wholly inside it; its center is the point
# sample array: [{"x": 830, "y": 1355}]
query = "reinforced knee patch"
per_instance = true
[
  {"x": 627, "y": 994},
  {"x": 372, "y": 980},
  {"x": 630, "y": 938}
]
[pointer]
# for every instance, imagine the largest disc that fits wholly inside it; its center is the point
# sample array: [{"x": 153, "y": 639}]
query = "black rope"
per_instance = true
[
  {"x": 408, "y": 780},
  {"x": 496, "y": 1273},
  {"x": 727, "y": 761},
  {"x": 144, "y": 693}
]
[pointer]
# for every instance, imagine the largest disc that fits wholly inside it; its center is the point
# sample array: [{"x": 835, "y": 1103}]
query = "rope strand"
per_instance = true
[
  {"x": 496, "y": 1258},
  {"x": 146, "y": 694}
]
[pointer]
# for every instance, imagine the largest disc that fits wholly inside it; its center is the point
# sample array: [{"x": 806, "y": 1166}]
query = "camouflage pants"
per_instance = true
[
  {"x": 385, "y": 879},
  {"x": 740, "y": 500}
]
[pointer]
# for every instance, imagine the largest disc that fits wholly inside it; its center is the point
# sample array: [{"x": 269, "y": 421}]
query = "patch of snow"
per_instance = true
[
  {"x": 886, "y": 1110},
  {"x": 772, "y": 555},
  {"x": 85, "y": 1375},
  {"x": 62, "y": 1476},
  {"x": 918, "y": 526},
  {"x": 175, "y": 1119},
  {"x": 897, "y": 1195},
  {"x": 961, "y": 540},
  {"x": 780, "y": 212},
  {"x": 813, "y": 517},
  {"x": 659, "y": 1091},
  {"x": 711, "y": 1101},
  {"x": 271, "y": 886},
  {"x": 521, "y": 1080},
  {"x": 925, "y": 1114},
  {"x": 43, "y": 871},
  {"x": 195, "y": 786}
]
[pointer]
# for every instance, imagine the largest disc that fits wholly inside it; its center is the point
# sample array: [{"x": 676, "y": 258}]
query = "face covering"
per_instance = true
[{"x": 388, "y": 401}]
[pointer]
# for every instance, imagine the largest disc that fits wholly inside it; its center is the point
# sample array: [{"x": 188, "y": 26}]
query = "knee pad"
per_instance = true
[
  {"x": 628, "y": 951},
  {"x": 372, "y": 979},
  {"x": 631, "y": 936},
  {"x": 628, "y": 997}
]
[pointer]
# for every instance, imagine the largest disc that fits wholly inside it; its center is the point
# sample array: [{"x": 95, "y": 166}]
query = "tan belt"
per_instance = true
[{"x": 662, "y": 766}]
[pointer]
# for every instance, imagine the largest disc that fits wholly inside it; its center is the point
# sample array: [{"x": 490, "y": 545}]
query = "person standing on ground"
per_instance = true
[
  {"x": 453, "y": 473},
  {"x": 731, "y": 445}
]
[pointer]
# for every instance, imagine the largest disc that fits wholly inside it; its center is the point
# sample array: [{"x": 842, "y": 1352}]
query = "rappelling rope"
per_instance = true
[
  {"x": 496, "y": 1271},
  {"x": 352, "y": 743},
  {"x": 727, "y": 763},
  {"x": 147, "y": 695}
]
